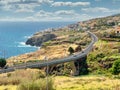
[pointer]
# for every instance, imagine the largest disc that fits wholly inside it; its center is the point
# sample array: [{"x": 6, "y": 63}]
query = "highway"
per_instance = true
[{"x": 57, "y": 61}]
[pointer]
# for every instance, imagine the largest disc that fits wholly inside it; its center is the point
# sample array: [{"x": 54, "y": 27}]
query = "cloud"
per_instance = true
[
  {"x": 101, "y": 10},
  {"x": 24, "y": 10},
  {"x": 65, "y": 12},
  {"x": 7, "y": 7},
  {"x": 45, "y": 1},
  {"x": 57, "y": 4},
  {"x": 96, "y": 9},
  {"x": 4, "y": 2},
  {"x": 37, "y": 1},
  {"x": 60, "y": 15},
  {"x": 49, "y": 16},
  {"x": 19, "y": 6},
  {"x": 26, "y": 7},
  {"x": 43, "y": 13}
]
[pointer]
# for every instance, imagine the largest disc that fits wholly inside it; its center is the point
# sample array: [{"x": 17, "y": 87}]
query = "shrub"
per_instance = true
[
  {"x": 116, "y": 67},
  {"x": 2, "y": 62},
  {"x": 40, "y": 84},
  {"x": 45, "y": 44},
  {"x": 100, "y": 55},
  {"x": 71, "y": 50},
  {"x": 91, "y": 57}
]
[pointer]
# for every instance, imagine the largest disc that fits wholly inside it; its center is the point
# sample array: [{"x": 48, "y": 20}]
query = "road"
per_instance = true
[{"x": 55, "y": 62}]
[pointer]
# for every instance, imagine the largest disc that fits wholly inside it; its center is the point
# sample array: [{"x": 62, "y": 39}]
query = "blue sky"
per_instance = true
[{"x": 56, "y": 10}]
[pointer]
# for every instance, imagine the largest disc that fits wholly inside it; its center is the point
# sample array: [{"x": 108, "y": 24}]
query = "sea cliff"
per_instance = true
[{"x": 38, "y": 39}]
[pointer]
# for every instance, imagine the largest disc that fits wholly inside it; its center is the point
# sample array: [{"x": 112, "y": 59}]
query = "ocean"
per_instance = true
[{"x": 13, "y": 36}]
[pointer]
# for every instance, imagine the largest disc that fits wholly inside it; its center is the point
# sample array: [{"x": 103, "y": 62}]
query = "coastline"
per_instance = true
[
  {"x": 12, "y": 33},
  {"x": 39, "y": 54}
]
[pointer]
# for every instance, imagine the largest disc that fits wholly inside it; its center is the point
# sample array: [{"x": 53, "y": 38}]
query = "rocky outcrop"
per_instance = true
[{"x": 38, "y": 39}]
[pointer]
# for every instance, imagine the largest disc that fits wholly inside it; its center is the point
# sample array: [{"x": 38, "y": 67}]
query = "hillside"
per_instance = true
[
  {"x": 101, "y": 60},
  {"x": 74, "y": 36},
  {"x": 96, "y": 24}
]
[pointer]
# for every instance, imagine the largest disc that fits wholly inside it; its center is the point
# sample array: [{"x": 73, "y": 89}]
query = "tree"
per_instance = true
[
  {"x": 2, "y": 62},
  {"x": 116, "y": 67},
  {"x": 71, "y": 50}
]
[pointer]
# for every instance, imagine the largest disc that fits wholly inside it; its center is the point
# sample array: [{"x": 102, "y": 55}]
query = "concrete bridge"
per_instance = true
[{"x": 76, "y": 58}]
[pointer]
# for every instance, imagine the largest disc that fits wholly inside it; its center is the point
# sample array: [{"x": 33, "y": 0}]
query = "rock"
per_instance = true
[{"x": 37, "y": 40}]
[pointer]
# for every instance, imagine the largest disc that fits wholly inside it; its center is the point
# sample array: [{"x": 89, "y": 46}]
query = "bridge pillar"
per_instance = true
[
  {"x": 81, "y": 66},
  {"x": 78, "y": 67}
]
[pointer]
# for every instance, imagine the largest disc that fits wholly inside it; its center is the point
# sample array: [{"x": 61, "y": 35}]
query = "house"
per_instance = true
[{"x": 73, "y": 26}]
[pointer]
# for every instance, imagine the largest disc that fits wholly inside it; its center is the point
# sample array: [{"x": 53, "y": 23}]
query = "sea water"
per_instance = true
[{"x": 13, "y": 36}]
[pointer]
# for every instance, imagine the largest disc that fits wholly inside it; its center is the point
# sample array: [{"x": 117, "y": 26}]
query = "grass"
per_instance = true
[
  {"x": 104, "y": 53},
  {"x": 58, "y": 51},
  {"x": 89, "y": 82},
  {"x": 59, "y": 48},
  {"x": 20, "y": 76},
  {"x": 39, "y": 84},
  {"x": 30, "y": 80},
  {"x": 86, "y": 83},
  {"x": 25, "y": 80},
  {"x": 8, "y": 87}
]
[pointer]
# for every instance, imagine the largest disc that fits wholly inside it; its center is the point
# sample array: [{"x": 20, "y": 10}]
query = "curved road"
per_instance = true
[{"x": 54, "y": 62}]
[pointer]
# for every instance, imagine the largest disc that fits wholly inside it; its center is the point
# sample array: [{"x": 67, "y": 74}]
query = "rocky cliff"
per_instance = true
[{"x": 38, "y": 39}]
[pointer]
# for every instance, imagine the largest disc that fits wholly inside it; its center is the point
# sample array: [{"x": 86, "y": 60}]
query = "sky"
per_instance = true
[{"x": 57, "y": 10}]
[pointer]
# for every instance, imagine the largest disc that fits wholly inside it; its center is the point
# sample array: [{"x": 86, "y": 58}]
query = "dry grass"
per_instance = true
[
  {"x": 71, "y": 83},
  {"x": 87, "y": 83},
  {"x": 20, "y": 76},
  {"x": 39, "y": 84},
  {"x": 8, "y": 87},
  {"x": 52, "y": 52},
  {"x": 25, "y": 80}
]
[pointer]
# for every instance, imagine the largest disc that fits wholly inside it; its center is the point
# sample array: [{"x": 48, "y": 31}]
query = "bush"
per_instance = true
[
  {"x": 71, "y": 50},
  {"x": 116, "y": 67},
  {"x": 2, "y": 62},
  {"x": 91, "y": 57},
  {"x": 100, "y": 55},
  {"x": 36, "y": 85}
]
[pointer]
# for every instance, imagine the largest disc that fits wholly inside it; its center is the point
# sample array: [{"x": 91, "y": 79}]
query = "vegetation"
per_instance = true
[
  {"x": 89, "y": 82},
  {"x": 2, "y": 62},
  {"x": 36, "y": 85},
  {"x": 116, "y": 67},
  {"x": 103, "y": 61},
  {"x": 26, "y": 80},
  {"x": 71, "y": 50},
  {"x": 20, "y": 76}
]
